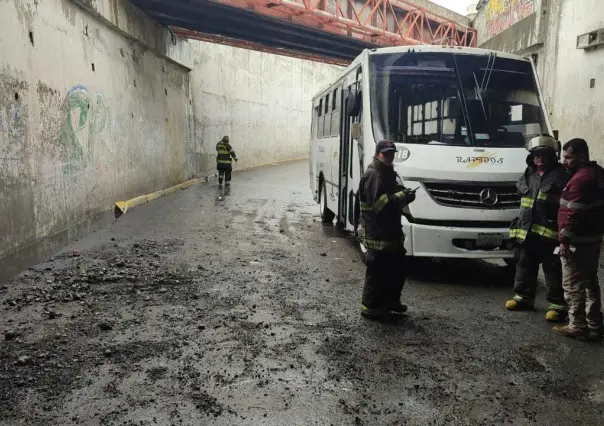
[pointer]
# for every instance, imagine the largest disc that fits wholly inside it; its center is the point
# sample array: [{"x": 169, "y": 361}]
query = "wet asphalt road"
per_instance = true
[{"x": 198, "y": 309}]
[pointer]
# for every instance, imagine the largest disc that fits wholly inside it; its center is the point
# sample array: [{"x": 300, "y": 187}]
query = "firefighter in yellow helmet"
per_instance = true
[
  {"x": 535, "y": 230},
  {"x": 224, "y": 159}
]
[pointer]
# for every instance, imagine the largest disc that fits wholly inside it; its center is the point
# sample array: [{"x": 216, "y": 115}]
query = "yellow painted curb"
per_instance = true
[
  {"x": 276, "y": 163},
  {"x": 122, "y": 207}
]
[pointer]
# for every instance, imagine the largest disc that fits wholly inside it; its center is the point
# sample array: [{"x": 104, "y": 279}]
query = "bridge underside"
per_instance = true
[{"x": 333, "y": 31}]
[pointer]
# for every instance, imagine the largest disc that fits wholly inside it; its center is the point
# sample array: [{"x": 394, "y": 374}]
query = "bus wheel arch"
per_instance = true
[{"x": 327, "y": 216}]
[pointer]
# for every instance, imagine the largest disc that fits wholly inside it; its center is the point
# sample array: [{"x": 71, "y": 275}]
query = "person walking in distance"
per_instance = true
[
  {"x": 581, "y": 224},
  {"x": 535, "y": 229},
  {"x": 381, "y": 203},
  {"x": 224, "y": 159}
]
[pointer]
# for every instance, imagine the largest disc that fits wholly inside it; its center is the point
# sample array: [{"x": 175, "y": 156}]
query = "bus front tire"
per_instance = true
[{"x": 327, "y": 216}]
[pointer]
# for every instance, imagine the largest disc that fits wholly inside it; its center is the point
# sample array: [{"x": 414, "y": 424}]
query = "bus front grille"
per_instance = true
[{"x": 474, "y": 195}]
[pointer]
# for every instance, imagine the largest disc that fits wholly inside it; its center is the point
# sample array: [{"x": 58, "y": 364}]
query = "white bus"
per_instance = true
[{"x": 460, "y": 118}]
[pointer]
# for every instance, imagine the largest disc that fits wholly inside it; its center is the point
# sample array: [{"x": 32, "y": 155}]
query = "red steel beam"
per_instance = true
[
  {"x": 256, "y": 46},
  {"x": 373, "y": 21}
]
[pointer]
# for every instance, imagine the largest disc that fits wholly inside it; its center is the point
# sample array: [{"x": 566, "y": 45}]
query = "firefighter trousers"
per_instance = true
[
  {"x": 582, "y": 289},
  {"x": 529, "y": 255},
  {"x": 384, "y": 279},
  {"x": 224, "y": 174}
]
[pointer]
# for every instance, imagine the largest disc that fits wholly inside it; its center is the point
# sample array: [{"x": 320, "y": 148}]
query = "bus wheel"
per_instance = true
[{"x": 327, "y": 215}]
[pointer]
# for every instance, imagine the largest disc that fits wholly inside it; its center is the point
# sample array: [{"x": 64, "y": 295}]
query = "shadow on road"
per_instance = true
[{"x": 463, "y": 272}]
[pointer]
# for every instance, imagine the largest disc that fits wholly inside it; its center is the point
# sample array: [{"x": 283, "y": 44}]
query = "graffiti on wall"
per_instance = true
[
  {"x": 85, "y": 118},
  {"x": 502, "y": 14}
]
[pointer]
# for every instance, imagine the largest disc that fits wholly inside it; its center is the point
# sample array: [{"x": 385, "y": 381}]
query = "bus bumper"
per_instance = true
[{"x": 444, "y": 241}]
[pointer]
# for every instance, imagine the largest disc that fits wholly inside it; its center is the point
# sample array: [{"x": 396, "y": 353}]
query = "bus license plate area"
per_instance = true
[{"x": 489, "y": 240}]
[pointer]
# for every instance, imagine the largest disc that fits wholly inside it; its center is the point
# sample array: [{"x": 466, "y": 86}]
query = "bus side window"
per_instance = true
[
  {"x": 327, "y": 118},
  {"x": 320, "y": 120},
  {"x": 313, "y": 124},
  {"x": 315, "y": 121},
  {"x": 335, "y": 114}
]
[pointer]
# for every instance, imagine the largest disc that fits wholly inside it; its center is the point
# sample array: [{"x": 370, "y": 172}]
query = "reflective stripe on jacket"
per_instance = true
[
  {"x": 539, "y": 203},
  {"x": 381, "y": 201},
  {"x": 581, "y": 215},
  {"x": 225, "y": 152}
]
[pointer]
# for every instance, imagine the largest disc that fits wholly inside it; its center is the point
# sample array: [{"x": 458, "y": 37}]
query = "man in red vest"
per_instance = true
[{"x": 581, "y": 228}]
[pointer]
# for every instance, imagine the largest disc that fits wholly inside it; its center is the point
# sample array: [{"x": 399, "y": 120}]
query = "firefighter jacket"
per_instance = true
[
  {"x": 581, "y": 215},
  {"x": 539, "y": 203},
  {"x": 225, "y": 152},
  {"x": 381, "y": 203}
]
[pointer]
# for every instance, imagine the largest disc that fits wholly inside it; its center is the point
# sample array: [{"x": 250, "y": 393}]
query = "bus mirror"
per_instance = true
[
  {"x": 556, "y": 134},
  {"x": 356, "y": 131},
  {"x": 353, "y": 103}
]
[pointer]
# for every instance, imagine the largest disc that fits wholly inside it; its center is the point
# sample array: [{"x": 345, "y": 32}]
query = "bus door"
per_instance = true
[
  {"x": 344, "y": 157},
  {"x": 349, "y": 155}
]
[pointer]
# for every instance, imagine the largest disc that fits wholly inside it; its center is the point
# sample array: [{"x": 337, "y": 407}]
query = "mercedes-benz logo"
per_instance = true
[{"x": 488, "y": 197}]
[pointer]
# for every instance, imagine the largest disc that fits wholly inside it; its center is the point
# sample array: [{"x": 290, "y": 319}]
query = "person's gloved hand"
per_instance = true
[{"x": 409, "y": 196}]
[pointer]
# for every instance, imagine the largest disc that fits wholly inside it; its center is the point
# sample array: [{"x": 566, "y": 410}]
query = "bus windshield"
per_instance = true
[{"x": 454, "y": 99}]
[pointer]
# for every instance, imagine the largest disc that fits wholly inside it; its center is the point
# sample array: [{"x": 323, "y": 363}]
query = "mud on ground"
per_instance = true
[{"x": 242, "y": 309}]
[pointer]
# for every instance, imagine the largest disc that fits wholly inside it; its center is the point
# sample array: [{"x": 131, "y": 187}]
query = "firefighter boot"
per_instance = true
[
  {"x": 517, "y": 303},
  {"x": 376, "y": 313},
  {"x": 556, "y": 315},
  {"x": 565, "y": 330},
  {"x": 595, "y": 335},
  {"x": 398, "y": 308}
]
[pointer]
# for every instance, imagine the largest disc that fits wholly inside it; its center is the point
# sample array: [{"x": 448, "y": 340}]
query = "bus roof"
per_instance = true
[{"x": 462, "y": 50}]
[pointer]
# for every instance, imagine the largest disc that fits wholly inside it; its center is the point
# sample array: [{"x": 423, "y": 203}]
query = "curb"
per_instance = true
[
  {"x": 276, "y": 163},
  {"x": 121, "y": 207}
]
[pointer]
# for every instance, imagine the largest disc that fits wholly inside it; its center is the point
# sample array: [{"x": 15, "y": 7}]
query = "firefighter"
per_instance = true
[
  {"x": 535, "y": 229},
  {"x": 224, "y": 161},
  {"x": 381, "y": 203},
  {"x": 581, "y": 224}
]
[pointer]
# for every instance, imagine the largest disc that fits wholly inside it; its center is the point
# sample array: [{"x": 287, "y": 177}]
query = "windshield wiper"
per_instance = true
[
  {"x": 464, "y": 104},
  {"x": 478, "y": 93},
  {"x": 486, "y": 79}
]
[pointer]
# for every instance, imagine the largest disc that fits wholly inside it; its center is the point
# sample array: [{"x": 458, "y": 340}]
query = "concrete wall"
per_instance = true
[
  {"x": 88, "y": 116},
  {"x": 97, "y": 104},
  {"x": 578, "y": 109},
  {"x": 262, "y": 101},
  {"x": 497, "y": 16},
  {"x": 565, "y": 72}
]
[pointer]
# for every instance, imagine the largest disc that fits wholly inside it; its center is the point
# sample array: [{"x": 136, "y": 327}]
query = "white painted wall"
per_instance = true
[{"x": 262, "y": 101}]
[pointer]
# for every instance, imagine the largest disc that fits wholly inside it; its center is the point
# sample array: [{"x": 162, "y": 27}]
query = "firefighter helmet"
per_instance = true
[{"x": 543, "y": 142}]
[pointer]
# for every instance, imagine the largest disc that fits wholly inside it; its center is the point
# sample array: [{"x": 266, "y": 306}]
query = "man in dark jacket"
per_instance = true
[
  {"x": 535, "y": 229},
  {"x": 581, "y": 224},
  {"x": 381, "y": 201},
  {"x": 223, "y": 160}
]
